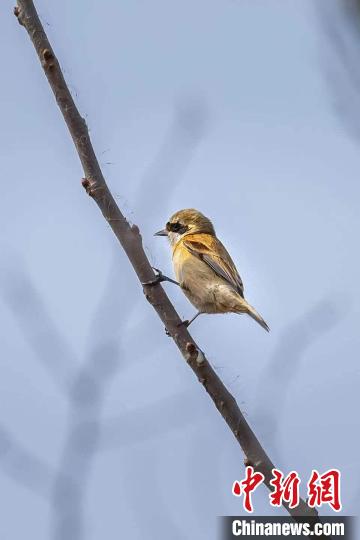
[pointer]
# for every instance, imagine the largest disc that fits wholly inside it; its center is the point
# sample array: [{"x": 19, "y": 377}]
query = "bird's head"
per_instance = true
[{"x": 183, "y": 222}]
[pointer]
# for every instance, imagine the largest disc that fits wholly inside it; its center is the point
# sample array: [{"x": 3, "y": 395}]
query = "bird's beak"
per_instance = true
[{"x": 163, "y": 232}]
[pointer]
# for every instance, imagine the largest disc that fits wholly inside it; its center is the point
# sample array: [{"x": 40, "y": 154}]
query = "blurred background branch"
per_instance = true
[
  {"x": 44, "y": 338},
  {"x": 23, "y": 467},
  {"x": 274, "y": 386},
  {"x": 339, "y": 21}
]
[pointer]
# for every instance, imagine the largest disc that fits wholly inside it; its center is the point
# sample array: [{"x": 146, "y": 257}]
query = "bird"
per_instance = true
[{"x": 203, "y": 267}]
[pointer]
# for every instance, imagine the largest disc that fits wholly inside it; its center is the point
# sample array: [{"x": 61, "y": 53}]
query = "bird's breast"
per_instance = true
[
  {"x": 206, "y": 290},
  {"x": 189, "y": 268},
  {"x": 196, "y": 278}
]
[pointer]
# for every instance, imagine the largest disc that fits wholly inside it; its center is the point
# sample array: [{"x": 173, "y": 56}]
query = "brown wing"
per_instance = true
[{"x": 210, "y": 250}]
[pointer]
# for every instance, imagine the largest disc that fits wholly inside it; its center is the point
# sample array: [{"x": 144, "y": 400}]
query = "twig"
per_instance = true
[{"x": 130, "y": 239}]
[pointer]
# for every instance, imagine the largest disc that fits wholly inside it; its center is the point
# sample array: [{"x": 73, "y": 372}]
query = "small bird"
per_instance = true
[{"x": 203, "y": 267}]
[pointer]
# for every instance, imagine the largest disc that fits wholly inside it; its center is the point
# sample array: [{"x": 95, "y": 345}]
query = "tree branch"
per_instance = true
[{"x": 130, "y": 239}]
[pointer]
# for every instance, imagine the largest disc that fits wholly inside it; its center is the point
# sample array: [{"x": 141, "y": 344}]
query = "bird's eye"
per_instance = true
[{"x": 175, "y": 227}]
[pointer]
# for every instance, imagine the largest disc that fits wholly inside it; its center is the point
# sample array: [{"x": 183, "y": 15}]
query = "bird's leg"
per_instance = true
[
  {"x": 187, "y": 323},
  {"x": 159, "y": 278}
]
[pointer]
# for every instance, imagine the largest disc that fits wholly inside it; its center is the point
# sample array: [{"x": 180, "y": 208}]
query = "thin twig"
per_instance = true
[{"x": 130, "y": 239}]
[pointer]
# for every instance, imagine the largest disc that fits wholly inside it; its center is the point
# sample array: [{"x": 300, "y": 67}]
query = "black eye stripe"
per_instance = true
[{"x": 177, "y": 227}]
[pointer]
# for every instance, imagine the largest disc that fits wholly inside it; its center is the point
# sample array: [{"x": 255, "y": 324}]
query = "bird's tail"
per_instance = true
[{"x": 247, "y": 308}]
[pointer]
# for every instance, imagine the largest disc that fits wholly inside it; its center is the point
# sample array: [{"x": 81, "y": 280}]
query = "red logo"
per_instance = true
[
  {"x": 325, "y": 489},
  {"x": 251, "y": 481},
  {"x": 321, "y": 489},
  {"x": 285, "y": 489}
]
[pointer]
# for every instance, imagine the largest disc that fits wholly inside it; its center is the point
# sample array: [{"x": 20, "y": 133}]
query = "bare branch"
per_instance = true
[{"x": 130, "y": 239}]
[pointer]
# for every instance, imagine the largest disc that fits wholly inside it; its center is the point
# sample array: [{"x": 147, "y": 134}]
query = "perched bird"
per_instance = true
[{"x": 203, "y": 267}]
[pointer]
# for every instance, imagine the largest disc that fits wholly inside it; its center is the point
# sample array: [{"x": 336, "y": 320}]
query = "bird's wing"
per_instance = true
[{"x": 210, "y": 250}]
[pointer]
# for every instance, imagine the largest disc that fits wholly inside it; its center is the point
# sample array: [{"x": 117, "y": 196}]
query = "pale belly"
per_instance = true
[{"x": 203, "y": 287}]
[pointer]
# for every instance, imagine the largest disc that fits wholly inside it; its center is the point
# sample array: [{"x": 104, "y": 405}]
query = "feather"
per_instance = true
[{"x": 210, "y": 250}]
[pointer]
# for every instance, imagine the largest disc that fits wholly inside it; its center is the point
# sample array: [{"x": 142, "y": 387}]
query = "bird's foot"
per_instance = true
[
  {"x": 185, "y": 323},
  {"x": 159, "y": 278}
]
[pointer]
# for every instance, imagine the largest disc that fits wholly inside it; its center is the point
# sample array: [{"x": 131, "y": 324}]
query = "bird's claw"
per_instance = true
[
  {"x": 159, "y": 278},
  {"x": 184, "y": 323}
]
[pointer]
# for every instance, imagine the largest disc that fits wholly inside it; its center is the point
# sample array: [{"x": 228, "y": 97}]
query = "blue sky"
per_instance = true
[{"x": 227, "y": 107}]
